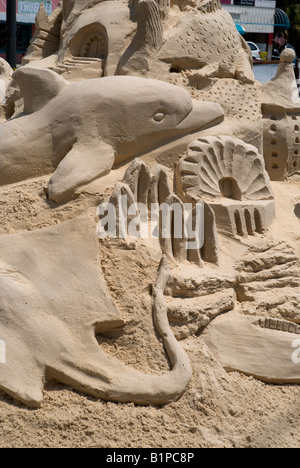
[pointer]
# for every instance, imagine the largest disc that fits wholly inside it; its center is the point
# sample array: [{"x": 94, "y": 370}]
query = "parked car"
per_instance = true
[{"x": 255, "y": 51}]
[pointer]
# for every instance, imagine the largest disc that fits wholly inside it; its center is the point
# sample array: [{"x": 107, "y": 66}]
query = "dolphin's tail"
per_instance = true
[{"x": 116, "y": 382}]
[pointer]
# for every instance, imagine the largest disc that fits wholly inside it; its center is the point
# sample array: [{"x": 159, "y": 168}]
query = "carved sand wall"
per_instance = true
[
  {"x": 231, "y": 177},
  {"x": 281, "y": 110}
]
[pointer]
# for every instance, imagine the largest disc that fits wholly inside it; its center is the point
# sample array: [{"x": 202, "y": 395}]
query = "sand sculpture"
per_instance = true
[
  {"x": 281, "y": 111},
  {"x": 57, "y": 339},
  {"x": 154, "y": 101},
  {"x": 106, "y": 110},
  {"x": 87, "y": 36},
  {"x": 5, "y": 78},
  {"x": 221, "y": 168},
  {"x": 141, "y": 186}
]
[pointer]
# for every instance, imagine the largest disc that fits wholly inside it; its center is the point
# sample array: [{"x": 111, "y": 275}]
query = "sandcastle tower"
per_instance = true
[{"x": 281, "y": 118}]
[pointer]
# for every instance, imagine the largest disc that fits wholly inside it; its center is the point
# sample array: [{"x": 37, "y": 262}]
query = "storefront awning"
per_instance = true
[
  {"x": 253, "y": 20},
  {"x": 281, "y": 19}
]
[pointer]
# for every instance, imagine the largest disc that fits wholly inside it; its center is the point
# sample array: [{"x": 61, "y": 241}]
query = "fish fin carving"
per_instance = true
[
  {"x": 83, "y": 164},
  {"x": 22, "y": 379},
  {"x": 38, "y": 87}
]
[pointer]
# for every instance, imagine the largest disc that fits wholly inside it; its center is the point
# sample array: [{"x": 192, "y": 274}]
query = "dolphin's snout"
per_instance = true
[{"x": 203, "y": 115}]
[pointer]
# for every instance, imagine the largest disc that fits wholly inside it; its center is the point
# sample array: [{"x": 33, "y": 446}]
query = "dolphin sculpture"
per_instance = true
[
  {"x": 54, "y": 302},
  {"x": 81, "y": 130}
]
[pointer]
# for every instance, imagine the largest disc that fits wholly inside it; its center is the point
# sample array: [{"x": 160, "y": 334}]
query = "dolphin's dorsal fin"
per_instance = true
[{"x": 38, "y": 86}]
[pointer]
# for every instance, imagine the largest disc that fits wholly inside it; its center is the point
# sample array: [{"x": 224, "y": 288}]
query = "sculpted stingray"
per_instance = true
[
  {"x": 50, "y": 312},
  {"x": 81, "y": 130}
]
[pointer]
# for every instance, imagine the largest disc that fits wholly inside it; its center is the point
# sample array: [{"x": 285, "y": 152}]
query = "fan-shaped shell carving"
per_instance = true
[{"x": 223, "y": 167}]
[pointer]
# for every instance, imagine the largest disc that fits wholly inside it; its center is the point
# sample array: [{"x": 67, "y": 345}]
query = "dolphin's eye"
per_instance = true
[{"x": 159, "y": 116}]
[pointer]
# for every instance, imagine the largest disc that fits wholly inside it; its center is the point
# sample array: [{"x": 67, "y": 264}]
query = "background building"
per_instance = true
[
  {"x": 260, "y": 20},
  {"x": 26, "y": 13}
]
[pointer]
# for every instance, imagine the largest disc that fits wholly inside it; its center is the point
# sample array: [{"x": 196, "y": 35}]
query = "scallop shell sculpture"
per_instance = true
[{"x": 222, "y": 167}]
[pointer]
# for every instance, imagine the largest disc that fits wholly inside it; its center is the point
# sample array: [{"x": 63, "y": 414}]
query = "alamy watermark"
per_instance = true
[
  {"x": 2, "y": 352},
  {"x": 176, "y": 220},
  {"x": 296, "y": 353}
]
